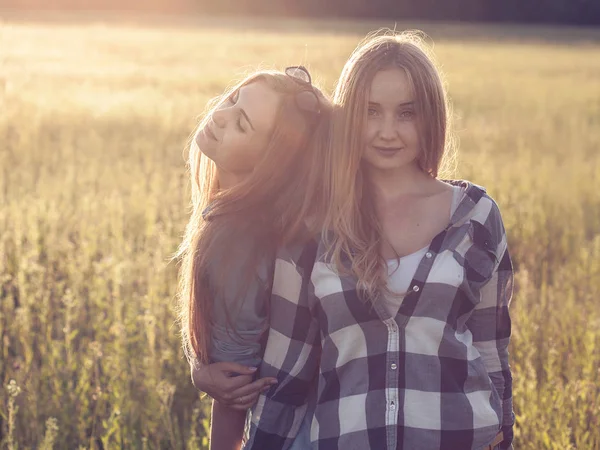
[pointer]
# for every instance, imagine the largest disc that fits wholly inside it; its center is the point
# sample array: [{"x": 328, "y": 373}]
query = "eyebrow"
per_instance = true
[
  {"x": 247, "y": 118},
  {"x": 410, "y": 103}
]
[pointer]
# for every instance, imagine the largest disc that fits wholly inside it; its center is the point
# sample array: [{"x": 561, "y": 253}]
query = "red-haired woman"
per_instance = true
[{"x": 255, "y": 169}]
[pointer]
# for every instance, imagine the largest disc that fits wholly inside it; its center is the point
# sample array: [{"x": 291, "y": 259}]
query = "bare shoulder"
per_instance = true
[
  {"x": 442, "y": 187},
  {"x": 435, "y": 188}
]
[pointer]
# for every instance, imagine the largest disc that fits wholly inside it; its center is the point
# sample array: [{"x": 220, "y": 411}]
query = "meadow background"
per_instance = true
[{"x": 94, "y": 120}]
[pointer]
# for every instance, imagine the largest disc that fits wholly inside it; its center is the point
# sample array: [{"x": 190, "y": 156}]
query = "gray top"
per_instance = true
[{"x": 239, "y": 338}]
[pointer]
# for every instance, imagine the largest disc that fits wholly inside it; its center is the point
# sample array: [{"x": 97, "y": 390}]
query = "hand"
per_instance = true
[{"x": 219, "y": 380}]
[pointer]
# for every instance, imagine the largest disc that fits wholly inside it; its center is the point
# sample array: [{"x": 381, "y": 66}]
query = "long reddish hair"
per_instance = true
[{"x": 271, "y": 205}]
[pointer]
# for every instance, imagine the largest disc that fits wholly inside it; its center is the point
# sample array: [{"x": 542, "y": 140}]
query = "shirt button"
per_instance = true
[
  {"x": 416, "y": 288},
  {"x": 393, "y": 406},
  {"x": 428, "y": 255},
  {"x": 394, "y": 366}
]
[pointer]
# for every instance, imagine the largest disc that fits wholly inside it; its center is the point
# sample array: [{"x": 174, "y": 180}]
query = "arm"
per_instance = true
[
  {"x": 227, "y": 427},
  {"x": 291, "y": 355},
  {"x": 219, "y": 382},
  {"x": 241, "y": 345},
  {"x": 235, "y": 394},
  {"x": 490, "y": 326},
  {"x": 238, "y": 323}
]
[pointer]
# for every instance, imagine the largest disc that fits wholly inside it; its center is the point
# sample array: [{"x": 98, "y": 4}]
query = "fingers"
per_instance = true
[
  {"x": 244, "y": 402},
  {"x": 233, "y": 383},
  {"x": 247, "y": 399},
  {"x": 246, "y": 396},
  {"x": 217, "y": 381},
  {"x": 234, "y": 367},
  {"x": 222, "y": 387},
  {"x": 255, "y": 387},
  {"x": 238, "y": 402},
  {"x": 243, "y": 407}
]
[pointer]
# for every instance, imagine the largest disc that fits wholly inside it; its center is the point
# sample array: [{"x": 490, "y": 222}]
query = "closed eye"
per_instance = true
[{"x": 239, "y": 125}]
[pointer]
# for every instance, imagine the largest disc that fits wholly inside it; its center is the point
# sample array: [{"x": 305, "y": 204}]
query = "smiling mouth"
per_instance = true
[{"x": 387, "y": 149}]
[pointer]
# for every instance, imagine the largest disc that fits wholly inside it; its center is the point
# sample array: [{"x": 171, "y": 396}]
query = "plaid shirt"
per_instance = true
[{"x": 436, "y": 376}]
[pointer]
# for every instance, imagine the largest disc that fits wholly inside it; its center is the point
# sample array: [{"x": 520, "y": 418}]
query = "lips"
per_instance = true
[
  {"x": 209, "y": 133},
  {"x": 388, "y": 150}
]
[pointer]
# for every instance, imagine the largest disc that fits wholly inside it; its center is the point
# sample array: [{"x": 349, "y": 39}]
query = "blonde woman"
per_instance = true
[
  {"x": 410, "y": 287},
  {"x": 252, "y": 161}
]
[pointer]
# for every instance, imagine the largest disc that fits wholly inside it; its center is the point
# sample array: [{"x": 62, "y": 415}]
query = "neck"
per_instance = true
[
  {"x": 227, "y": 180},
  {"x": 391, "y": 184}
]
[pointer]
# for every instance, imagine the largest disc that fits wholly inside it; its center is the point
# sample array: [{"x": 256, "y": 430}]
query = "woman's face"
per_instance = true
[
  {"x": 391, "y": 135},
  {"x": 239, "y": 129}
]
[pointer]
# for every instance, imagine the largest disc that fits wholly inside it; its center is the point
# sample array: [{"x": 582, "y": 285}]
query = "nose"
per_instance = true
[
  {"x": 388, "y": 131},
  {"x": 219, "y": 117}
]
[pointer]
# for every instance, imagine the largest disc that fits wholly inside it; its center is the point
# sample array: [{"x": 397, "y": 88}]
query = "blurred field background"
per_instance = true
[{"x": 94, "y": 120}]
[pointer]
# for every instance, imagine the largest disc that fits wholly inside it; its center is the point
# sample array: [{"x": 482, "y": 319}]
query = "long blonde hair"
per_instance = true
[
  {"x": 271, "y": 205},
  {"x": 352, "y": 230}
]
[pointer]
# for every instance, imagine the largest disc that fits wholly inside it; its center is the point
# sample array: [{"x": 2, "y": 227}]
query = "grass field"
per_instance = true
[{"x": 94, "y": 118}]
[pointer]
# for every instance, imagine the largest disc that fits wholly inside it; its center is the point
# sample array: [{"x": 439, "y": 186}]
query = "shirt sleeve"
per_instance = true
[
  {"x": 240, "y": 310},
  {"x": 291, "y": 355},
  {"x": 490, "y": 326}
]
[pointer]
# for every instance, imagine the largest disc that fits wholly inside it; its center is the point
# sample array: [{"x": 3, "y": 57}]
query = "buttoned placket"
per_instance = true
[
  {"x": 396, "y": 345},
  {"x": 391, "y": 392}
]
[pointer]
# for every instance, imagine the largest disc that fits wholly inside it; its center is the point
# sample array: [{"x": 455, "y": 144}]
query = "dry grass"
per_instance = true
[{"x": 93, "y": 122}]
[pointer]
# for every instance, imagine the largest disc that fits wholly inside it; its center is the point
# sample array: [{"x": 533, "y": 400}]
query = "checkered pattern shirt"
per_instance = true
[{"x": 435, "y": 376}]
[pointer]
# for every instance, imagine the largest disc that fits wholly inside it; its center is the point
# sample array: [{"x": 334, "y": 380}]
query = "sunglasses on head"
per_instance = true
[{"x": 306, "y": 100}]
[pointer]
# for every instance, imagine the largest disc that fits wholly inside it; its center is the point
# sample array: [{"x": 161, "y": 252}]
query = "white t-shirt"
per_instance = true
[{"x": 399, "y": 278}]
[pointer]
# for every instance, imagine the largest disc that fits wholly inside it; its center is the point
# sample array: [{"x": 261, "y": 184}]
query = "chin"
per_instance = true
[
  {"x": 389, "y": 165},
  {"x": 206, "y": 149}
]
